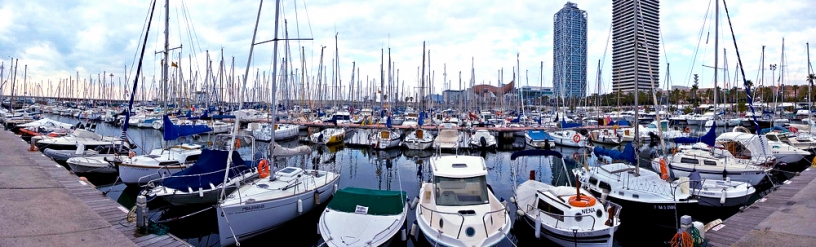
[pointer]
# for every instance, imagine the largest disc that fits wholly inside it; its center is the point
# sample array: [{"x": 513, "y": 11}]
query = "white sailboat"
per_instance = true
[{"x": 418, "y": 140}]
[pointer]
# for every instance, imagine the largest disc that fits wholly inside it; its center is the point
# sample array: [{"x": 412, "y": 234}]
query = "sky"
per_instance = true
[{"x": 58, "y": 40}]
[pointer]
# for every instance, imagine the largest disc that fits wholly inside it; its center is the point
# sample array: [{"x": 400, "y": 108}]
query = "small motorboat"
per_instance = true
[{"x": 377, "y": 216}]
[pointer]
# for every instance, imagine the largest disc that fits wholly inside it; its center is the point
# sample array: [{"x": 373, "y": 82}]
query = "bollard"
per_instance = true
[
  {"x": 141, "y": 214},
  {"x": 685, "y": 223}
]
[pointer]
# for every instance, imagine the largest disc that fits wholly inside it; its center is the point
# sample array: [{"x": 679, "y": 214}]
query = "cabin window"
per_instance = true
[
  {"x": 593, "y": 181},
  {"x": 709, "y": 162},
  {"x": 461, "y": 191},
  {"x": 689, "y": 161},
  {"x": 169, "y": 163},
  {"x": 553, "y": 211},
  {"x": 605, "y": 186},
  {"x": 771, "y": 137},
  {"x": 191, "y": 158}
]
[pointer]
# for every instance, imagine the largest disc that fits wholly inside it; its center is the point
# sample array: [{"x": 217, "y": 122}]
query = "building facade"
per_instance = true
[
  {"x": 570, "y": 51},
  {"x": 632, "y": 65}
]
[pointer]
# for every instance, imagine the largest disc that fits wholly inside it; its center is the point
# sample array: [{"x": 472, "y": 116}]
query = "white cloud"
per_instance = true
[{"x": 58, "y": 37}]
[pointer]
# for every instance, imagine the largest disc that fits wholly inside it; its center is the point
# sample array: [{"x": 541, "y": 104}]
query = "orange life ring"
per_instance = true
[
  {"x": 664, "y": 171},
  {"x": 576, "y": 138},
  {"x": 237, "y": 143},
  {"x": 263, "y": 168},
  {"x": 582, "y": 201},
  {"x": 687, "y": 130},
  {"x": 576, "y": 156}
]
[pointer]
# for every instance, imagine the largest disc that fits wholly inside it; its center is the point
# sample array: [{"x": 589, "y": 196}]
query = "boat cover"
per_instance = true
[
  {"x": 538, "y": 135},
  {"x": 565, "y": 125},
  {"x": 628, "y": 153},
  {"x": 775, "y": 128},
  {"x": 172, "y": 131},
  {"x": 709, "y": 138},
  {"x": 379, "y": 202},
  {"x": 208, "y": 169}
]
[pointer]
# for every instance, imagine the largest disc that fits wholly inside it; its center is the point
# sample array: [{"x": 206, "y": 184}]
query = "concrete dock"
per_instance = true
[
  {"x": 785, "y": 217},
  {"x": 44, "y": 204}
]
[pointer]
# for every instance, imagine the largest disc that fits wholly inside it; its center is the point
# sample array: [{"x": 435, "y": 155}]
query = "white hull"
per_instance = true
[
  {"x": 250, "y": 219},
  {"x": 95, "y": 164},
  {"x": 369, "y": 230},
  {"x": 137, "y": 174}
]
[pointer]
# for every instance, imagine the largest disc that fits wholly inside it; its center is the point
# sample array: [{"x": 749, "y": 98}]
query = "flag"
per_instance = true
[
  {"x": 174, "y": 64},
  {"x": 608, "y": 120}
]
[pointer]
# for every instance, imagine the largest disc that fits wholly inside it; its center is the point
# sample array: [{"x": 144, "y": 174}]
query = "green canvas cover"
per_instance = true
[{"x": 379, "y": 202}]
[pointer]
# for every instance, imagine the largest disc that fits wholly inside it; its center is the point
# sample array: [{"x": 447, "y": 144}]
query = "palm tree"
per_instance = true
[
  {"x": 693, "y": 92},
  {"x": 795, "y": 93}
]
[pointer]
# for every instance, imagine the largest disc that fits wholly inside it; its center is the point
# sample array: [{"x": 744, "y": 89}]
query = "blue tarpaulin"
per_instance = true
[
  {"x": 628, "y": 153},
  {"x": 172, "y": 131},
  {"x": 708, "y": 138},
  {"x": 209, "y": 168},
  {"x": 775, "y": 128},
  {"x": 539, "y": 135},
  {"x": 565, "y": 125}
]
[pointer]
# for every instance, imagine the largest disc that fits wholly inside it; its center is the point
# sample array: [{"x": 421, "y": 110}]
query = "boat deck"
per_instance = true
[
  {"x": 44, "y": 204},
  {"x": 782, "y": 218}
]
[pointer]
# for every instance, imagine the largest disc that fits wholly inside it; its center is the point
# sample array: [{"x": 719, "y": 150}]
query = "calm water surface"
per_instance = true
[{"x": 394, "y": 169}]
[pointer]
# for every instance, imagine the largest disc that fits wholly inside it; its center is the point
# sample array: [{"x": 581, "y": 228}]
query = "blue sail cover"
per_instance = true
[
  {"x": 628, "y": 153},
  {"x": 775, "y": 128},
  {"x": 172, "y": 131},
  {"x": 708, "y": 138},
  {"x": 539, "y": 135},
  {"x": 565, "y": 125},
  {"x": 621, "y": 122},
  {"x": 421, "y": 118},
  {"x": 208, "y": 169}
]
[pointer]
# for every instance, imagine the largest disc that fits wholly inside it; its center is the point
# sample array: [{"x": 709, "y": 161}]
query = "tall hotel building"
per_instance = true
[
  {"x": 570, "y": 52},
  {"x": 635, "y": 20}
]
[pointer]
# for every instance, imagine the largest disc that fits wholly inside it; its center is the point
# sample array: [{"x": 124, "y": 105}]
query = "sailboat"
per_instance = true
[{"x": 276, "y": 197}]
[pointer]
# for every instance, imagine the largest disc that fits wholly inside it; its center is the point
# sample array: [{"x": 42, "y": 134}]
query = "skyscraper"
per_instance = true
[
  {"x": 628, "y": 64},
  {"x": 569, "y": 51}
]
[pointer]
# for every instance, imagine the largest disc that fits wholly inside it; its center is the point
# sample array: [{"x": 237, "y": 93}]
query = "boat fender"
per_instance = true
[
  {"x": 317, "y": 197},
  {"x": 414, "y": 228},
  {"x": 404, "y": 233},
  {"x": 318, "y": 228},
  {"x": 513, "y": 199},
  {"x": 212, "y": 187},
  {"x": 414, "y": 202},
  {"x": 603, "y": 196},
  {"x": 300, "y": 205},
  {"x": 722, "y": 198},
  {"x": 200, "y": 192},
  {"x": 664, "y": 171},
  {"x": 700, "y": 228},
  {"x": 538, "y": 226},
  {"x": 519, "y": 212},
  {"x": 335, "y": 189}
]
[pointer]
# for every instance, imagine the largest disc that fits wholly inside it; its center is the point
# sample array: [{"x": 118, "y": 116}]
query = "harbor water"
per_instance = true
[{"x": 394, "y": 169}]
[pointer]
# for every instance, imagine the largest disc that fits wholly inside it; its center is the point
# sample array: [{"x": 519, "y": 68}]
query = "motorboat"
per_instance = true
[
  {"x": 538, "y": 138},
  {"x": 456, "y": 208},
  {"x": 87, "y": 138},
  {"x": 161, "y": 162},
  {"x": 60, "y": 156},
  {"x": 282, "y": 132},
  {"x": 569, "y": 138},
  {"x": 566, "y": 215},
  {"x": 329, "y": 136},
  {"x": 268, "y": 202},
  {"x": 101, "y": 164},
  {"x": 802, "y": 141},
  {"x": 203, "y": 182},
  {"x": 483, "y": 139},
  {"x": 378, "y": 215},
  {"x": 419, "y": 139},
  {"x": 714, "y": 164},
  {"x": 605, "y": 136},
  {"x": 385, "y": 139},
  {"x": 448, "y": 139}
]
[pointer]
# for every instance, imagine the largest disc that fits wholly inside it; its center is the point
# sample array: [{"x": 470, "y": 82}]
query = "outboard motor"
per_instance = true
[{"x": 483, "y": 141}]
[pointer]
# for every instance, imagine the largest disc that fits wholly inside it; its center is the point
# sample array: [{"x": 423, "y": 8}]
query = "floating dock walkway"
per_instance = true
[
  {"x": 785, "y": 217},
  {"x": 43, "y": 204}
]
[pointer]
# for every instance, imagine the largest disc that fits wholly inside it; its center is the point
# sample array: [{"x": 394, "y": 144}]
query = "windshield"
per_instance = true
[{"x": 461, "y": 191}]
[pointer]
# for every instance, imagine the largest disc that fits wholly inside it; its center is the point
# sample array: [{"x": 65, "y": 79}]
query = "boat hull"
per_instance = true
[{"x": 138, "y": 175}]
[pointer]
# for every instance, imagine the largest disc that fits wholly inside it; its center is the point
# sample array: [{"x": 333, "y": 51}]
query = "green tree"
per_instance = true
[
  {"x": 795, "y": 93},
  {"x": 694, "y": 99}
]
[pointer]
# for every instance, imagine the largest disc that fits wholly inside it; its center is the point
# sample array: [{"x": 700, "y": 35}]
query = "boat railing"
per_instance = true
[
  {"x": 423, "y": 208},
  {"x": 567, "y": 222},
  {"x": 160, "y": 181},
  {"x": 502, "y": 214}
]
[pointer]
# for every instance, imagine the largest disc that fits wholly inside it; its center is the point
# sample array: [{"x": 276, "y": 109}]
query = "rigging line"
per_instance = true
[
  {"x": 308, "y": 20},
  {"x": 190, "y": 31},
  {"x": 699, "y": 38},
  {"x": 141, "y": 35}
]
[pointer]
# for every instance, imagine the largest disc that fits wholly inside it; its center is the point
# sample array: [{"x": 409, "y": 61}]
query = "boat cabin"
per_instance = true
[{"x": 460, "y": 180}]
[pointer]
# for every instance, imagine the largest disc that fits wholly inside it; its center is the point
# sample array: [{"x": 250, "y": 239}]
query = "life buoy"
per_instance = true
[
  {"x": 263, "y": 168},
  {"x": 687, "y": 130},
  {"x": 664, "y": 171},
  {"x": 582, "y": 201},
  {"x": 237, "y": 143},
  {"x": 576, "y": 138},
  {"x": 576, "y": 156}
]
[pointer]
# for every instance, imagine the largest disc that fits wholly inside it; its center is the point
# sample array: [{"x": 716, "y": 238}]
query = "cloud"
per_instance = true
[{"x": 58, "y": 39}]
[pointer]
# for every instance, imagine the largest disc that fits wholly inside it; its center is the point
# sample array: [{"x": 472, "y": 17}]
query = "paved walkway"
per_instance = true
[
  {"x": 43, "y": 204},
  {"x": 785, "y": 217}
]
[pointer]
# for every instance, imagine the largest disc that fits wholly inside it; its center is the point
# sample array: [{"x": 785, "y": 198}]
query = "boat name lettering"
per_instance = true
[
  {"x": 249, "y": 208},
  {"x": 664, "y": 207},
  {"x": 587, "y": 211}
]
